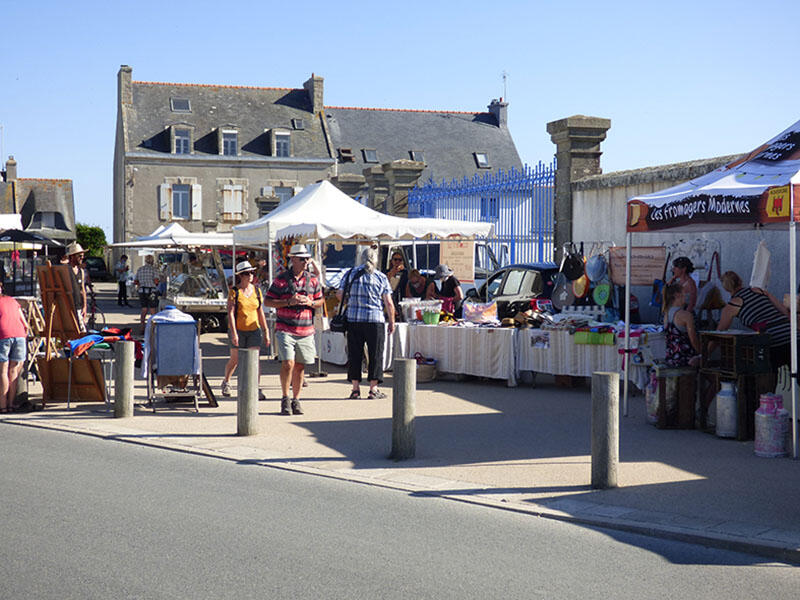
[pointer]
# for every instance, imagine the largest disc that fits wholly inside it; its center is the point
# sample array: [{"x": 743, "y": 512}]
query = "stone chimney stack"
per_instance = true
[
  {"x": 124, "y": 86},
  {"x": 313, "y": 88},
  {"x": 500, "y": 111},
  {"x": 11, "y": 169}
]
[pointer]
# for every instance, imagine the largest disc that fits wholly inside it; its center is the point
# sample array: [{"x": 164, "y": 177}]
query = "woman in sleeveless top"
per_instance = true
[
  {"x": 758, "y": 311},
  {"x": 683, "y": 347}
]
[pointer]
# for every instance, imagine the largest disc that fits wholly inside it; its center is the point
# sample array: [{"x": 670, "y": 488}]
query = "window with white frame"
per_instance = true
[
  {"x": 370, "y": 155},
  {"x": 283, "y": 144},
  {"x": 230, "y": 143},
  {"x": 232, "y": 202},
  {"x": 183, "y": 141},
  {"x": 181, "y": 201},
  {"x": 482, "y": 160},
  {"x": 284, "y": 194}
]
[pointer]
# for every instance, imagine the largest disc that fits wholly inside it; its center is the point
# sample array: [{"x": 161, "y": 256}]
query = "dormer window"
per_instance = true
[
  {"x": 482, "y": 160},
  {"x": 299, "y": 124},
  {"x": 370, "y": 155},
  {"x": 417, "y": 155},
  {"x": 346, "y": 155},
  {"x": 229, "y": 142},
  {"x": 283, "y": 144},
  {"x": 182, "y": 140},
  {"x": 180, "y": 105}
]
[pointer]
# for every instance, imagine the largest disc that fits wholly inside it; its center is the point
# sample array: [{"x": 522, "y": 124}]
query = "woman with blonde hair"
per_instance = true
[
  {"x": 683, "y": 346},
  {"x": 757, "y": 310}
]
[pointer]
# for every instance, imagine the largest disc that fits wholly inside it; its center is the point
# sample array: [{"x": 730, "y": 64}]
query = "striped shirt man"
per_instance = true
[{"x": 295, "y": 320}]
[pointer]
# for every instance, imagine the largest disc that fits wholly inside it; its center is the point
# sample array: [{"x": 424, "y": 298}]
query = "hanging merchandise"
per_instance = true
[
  {"x": 601, "y": 293},
  {"x": 596, "y": 267},
  {"x": 562, "y": 289},
  {"x": 711, "y": 295},
  {"x": 657, "y": 293},
  {"x": 572, "y": 265},
  {"x": 580, "y": 287},
  {"x": 761, "y": 267}
]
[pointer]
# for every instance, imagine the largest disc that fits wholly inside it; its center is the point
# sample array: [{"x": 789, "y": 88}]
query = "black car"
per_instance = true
[
  {"x": 513, "y": 287},
  {"x": 97, "y": 269}
]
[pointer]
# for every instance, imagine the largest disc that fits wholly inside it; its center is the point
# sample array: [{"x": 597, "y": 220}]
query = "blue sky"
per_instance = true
[{"x": 679, "y": 80}]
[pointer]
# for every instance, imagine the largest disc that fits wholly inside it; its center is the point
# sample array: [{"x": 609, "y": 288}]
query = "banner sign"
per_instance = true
[
  {"x": 647, "y": 264},
  {"x": 459, "y": 256}
]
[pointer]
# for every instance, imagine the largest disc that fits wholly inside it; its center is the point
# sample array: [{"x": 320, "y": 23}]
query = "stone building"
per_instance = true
[
  {"x": 211, "y": 157},
  {"x": 46, "y": 206}
]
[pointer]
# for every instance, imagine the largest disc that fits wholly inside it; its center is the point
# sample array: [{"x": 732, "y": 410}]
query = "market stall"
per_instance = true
[
  {"x": 333, "y": 346},
  {"x": 757, "y": 190}
]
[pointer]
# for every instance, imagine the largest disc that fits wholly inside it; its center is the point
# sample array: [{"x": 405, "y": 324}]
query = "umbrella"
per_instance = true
[{"x": 17, "y": 236}]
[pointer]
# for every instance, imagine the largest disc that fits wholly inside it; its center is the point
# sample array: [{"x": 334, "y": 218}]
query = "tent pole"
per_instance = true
[
  {"x": 627, "y": 356},
  {"x": 793, "y": 321}
]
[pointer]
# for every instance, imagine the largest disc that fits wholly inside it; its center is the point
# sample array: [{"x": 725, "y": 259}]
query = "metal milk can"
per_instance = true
[
  {"x": 727, "y": 414},
  {"x": 772, "y": 427}
]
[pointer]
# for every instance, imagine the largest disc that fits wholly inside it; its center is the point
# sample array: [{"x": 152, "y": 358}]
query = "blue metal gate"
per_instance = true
[{"x": 519, "y": 203}]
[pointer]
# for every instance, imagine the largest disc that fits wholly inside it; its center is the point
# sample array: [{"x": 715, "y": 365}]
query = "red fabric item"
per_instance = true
[{"x": 11, "y": 322}]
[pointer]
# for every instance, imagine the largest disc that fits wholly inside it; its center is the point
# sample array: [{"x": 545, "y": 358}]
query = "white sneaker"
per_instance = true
[{"x": 226, "y": 388}]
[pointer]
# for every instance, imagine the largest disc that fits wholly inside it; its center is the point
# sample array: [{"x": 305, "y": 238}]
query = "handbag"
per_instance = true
[
  {"x": 761, "y": 267},
  {"x": 338, "y": 323},
  {"x": 711, "y": 295},
  {"x": 572, "y": 266}
]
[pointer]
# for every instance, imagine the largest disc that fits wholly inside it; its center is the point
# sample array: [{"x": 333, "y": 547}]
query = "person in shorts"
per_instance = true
[
  {"x": 295, "y": 293},
  {"x": 147, "y": 278},
  {"x": 13, "y": 349},
  {"x": 247, "y": 326}
]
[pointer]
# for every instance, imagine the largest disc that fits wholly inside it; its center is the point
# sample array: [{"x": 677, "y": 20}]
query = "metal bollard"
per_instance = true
[
  {"x": 247, "y": 385},
  {"x": 123, "y": 379},
  {"x": 403, "y": 409},
  {"x": 605, "y": 429}
]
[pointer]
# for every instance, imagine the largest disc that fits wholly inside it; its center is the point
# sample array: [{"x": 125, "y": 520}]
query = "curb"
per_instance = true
[{"x": 782, "y": 552}]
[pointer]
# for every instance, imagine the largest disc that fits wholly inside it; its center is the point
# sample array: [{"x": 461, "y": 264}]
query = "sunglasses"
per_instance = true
[{"x": 397, "y": 259}]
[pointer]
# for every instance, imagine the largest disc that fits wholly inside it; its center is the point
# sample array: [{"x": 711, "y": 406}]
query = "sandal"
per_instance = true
[
  {"x": 354, "y": 395},
  {"x": 376, "y": 394}
]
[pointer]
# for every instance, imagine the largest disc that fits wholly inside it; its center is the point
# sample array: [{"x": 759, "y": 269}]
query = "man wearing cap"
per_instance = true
[
  {"x": 75, "y": 254},
  {"x": 295, "y": 293},
  {"x": 247, "y": 326},
  {"x": 450, "y": 289},
  {"x": 147, "y": 278}
]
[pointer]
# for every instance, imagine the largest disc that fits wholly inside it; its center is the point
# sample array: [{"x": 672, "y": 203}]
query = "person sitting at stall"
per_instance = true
[
  {"x": 758, "y": 312},
  {"x": 398, "y": 279},
  {"x": 682, "y": 269},
  {"x": 419, "y": 286},
  {"x": 683, "y": 346},
  {"x": 450, "y": 291},
  {"x": 247, "y": 326}
]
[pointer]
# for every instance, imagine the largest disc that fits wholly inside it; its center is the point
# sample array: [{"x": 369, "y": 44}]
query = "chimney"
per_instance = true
[
  {"x": 11, "y": 169},
  {"x": 124, "y": 87},
  {"x": 500, "y": 111},
  {"x": 313, "y": 88}
]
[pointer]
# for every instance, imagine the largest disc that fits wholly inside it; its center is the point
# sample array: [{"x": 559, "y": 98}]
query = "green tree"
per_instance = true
[{"x": 92, "y": 238}]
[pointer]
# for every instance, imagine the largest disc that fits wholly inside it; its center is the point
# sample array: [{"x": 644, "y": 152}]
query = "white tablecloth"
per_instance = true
[
  {"x": 333, "y": 346},
  {"x": 556, "y": 352},
  {"x": 480, "y": 351}
]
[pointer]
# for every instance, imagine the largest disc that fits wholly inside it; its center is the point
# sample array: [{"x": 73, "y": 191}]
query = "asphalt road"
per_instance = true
[{"x": 88, "y": 518}]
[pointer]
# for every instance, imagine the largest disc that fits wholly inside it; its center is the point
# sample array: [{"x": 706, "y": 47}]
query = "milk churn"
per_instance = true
[
  {"x": 772, "y": 427},
  {"x": 727, "y": 414}
]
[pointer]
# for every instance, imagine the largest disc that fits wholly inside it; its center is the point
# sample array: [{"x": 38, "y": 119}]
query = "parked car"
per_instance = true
[
  {"x": 513, "y": 287},
  {"x": 97, "y": 269}
]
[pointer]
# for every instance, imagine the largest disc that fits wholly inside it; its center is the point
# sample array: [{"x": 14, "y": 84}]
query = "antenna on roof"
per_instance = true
[{"x": 505, "y": 90}]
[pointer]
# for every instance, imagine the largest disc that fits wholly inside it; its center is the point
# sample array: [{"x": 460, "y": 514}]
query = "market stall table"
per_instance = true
[{"x": 480, "y": 351}]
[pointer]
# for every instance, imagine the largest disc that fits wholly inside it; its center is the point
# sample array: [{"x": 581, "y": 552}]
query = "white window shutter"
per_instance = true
[
  {"x": 197, "y": 202},
  {"x": 164, "y": 197},
  {"x": 227, "y": 199},
  {"x": 297, "y": 190},
  {"x": 266, "y": 191}
]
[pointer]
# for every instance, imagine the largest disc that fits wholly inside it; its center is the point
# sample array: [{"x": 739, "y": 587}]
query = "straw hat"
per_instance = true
[
  {"x": 300, "y": 251},
  {"x": 244, "y": 267},
  {"x": 75, "y": 248}
]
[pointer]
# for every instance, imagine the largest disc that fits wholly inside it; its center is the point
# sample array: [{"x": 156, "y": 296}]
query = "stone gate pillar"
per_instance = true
[{"x": 577, "y": 139}]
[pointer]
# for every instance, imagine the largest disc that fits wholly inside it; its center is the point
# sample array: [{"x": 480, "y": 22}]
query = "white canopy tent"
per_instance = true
[
  {"x": 322, "y": 211},
  {"x": 175, "y": 234},
  {"x": 10, "y": 221},
  {"x": 757, "y": 190}
]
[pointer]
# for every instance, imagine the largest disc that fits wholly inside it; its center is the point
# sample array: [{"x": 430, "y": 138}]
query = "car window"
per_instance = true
[
  {"x": 537, "y": 283},
  {"x": 513, "y": 283},
  {"x": 493, "y": 285}
]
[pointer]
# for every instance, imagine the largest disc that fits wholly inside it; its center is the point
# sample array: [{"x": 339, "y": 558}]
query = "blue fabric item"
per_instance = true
[
  {"x": 365, "y": 304},
  {"x": 84, "y": 340}
]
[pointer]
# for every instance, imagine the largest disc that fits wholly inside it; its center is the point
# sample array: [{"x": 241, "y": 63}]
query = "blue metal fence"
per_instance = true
[{"x": 519, "y": 203}]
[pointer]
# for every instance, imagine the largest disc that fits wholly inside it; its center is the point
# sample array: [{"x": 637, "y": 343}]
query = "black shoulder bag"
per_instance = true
[{"x": 338, "y": 322}]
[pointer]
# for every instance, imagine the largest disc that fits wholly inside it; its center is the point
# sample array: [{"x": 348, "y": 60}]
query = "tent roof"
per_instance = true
[
  {"x": 753, "y": 190},
  {"x": 175, "y": 234},
  {"x": 323, "y": 211}
]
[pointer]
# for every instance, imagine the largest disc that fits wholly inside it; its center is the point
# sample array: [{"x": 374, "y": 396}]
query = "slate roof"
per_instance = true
[
  {"x": 251, "y": 110},
  {"x": 447, "y": 139},
  {"x": 47, "y": 195}
]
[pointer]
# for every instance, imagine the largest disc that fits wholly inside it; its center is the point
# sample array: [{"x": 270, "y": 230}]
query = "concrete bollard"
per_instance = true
[
  {"x": 247, "y": 385},
  {"x": 605, "y": 429},
  {"x": 404, "y": 400},
  {"x": 124, "y": 352}
]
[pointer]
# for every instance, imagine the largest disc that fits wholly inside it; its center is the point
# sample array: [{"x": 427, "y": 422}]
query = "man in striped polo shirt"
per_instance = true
[{"x": 295, "y": 293}]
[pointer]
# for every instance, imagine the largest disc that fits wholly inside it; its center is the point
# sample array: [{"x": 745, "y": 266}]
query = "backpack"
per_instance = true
[{"x": 236, "y": 300}]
